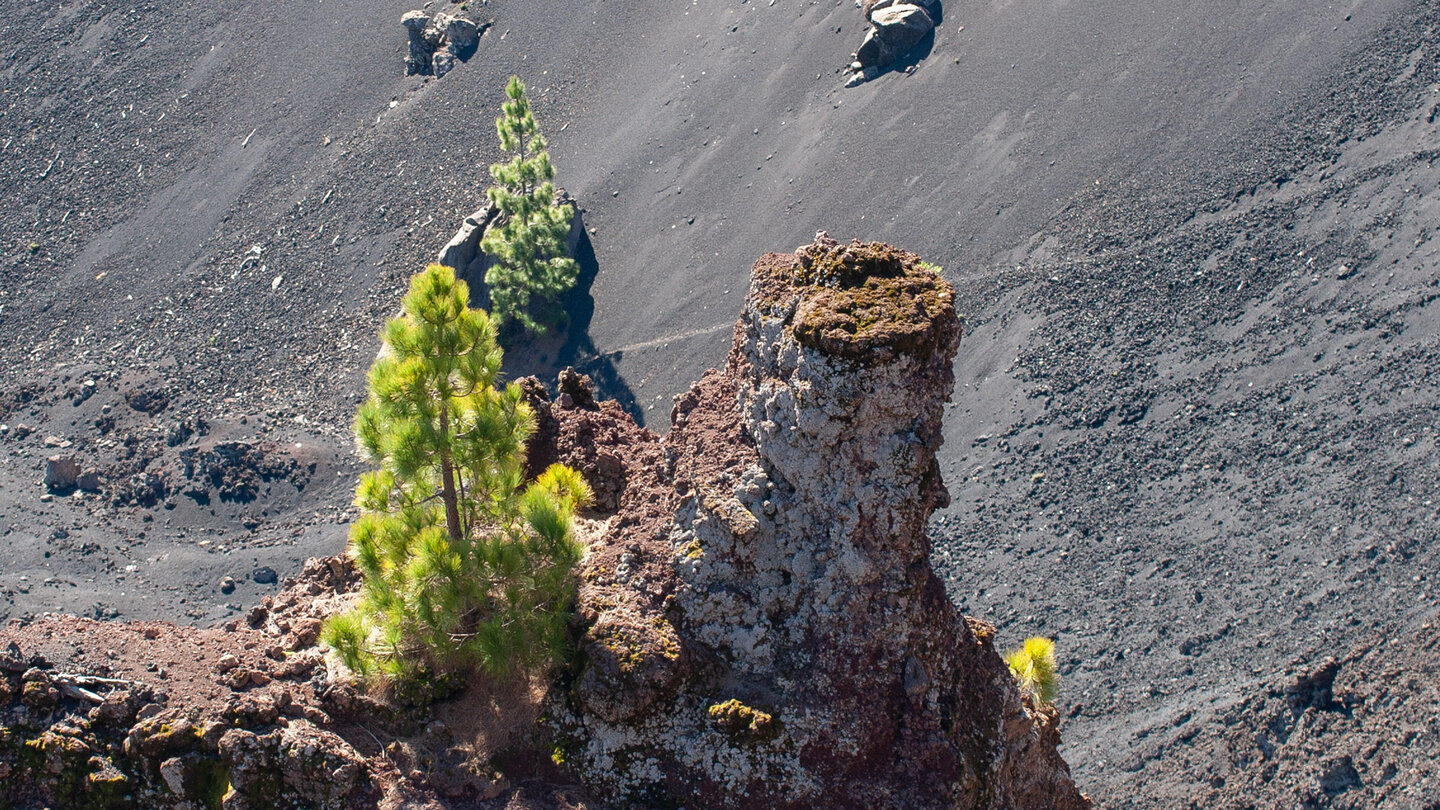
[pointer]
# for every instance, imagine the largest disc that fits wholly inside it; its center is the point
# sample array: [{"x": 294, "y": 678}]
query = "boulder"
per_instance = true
[
  {"x": 147, "y": 400},
  {"x": 299, "y": 762},
  {"x": 442, "y": 62},
  {"x": 460, "y": 250},
  {"x": 577, "y": 225},
  {"x": 434, "y": 32},
  {"x": 438, "y": 43},
  {"x": 894, "y": 30},
  {"x": 471, "y": 264},
  {"x": 61, "y": 473},
  {"x": 461, "y": 34}
]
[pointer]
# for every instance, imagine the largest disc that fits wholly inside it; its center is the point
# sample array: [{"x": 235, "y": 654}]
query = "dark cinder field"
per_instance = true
[{"x": 1193, "y": 435}]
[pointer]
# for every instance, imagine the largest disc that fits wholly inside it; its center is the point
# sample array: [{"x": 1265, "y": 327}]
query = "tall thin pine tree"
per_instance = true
[
  {"x": 531, "y": 269},
  {"x": 461, "y": 566}
]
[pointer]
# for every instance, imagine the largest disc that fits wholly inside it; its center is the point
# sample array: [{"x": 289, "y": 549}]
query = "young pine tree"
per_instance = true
[
  {"x": 1033, "y": 666},
  {"x": 531, "y": 270},
  {"x": 462, "y": 568}
]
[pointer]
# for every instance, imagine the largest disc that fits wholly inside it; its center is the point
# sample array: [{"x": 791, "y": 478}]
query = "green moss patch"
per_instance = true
[{"x": 864, "y": 300}]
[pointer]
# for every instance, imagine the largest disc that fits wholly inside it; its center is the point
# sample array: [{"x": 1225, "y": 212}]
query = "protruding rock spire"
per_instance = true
[{"x": 767, "y": 629}]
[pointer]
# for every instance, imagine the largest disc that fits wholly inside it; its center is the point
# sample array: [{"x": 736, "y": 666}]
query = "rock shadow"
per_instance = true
[
  {"x": 912, "y": 57},
  {"x": 464, "y": 51},
  {"x": 545, "y": 357}
]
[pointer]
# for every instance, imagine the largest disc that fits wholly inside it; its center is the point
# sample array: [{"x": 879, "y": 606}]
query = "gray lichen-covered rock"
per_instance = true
[
  {"x": 932, "y": 7},
  {"x": 461, "y": 33},
  {"x": 764, "y": 625},
  {"x": 442, "y": 62},
  {"x": 462, "y": 247}
]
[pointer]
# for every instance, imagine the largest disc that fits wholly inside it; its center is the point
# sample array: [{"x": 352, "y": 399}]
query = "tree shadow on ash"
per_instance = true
[{"x": 545, "y": 357}]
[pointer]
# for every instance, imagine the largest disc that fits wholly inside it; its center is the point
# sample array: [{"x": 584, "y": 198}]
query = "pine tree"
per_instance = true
[
  {"x": 461, "y": 566},
  {"x": 531, "y": 270},
  {"x": 1033, "y": 666}
]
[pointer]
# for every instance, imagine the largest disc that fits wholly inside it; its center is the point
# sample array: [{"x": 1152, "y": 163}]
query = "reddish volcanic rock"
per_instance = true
[{"x": 765, "y": 628}]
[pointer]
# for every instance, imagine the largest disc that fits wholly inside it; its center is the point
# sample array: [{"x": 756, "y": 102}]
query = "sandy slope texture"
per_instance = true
[
  {"x": 1356, "y": 730},
  {"x": 1195, "y": 439},
  {"x": 290, "y": 134}
]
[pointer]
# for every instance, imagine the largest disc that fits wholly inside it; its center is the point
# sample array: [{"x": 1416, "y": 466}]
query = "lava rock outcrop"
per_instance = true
[
  {"x": 763, "y": 624},
  {"x": 438, "y": 42},
  {"x": 241, "y": 718}
]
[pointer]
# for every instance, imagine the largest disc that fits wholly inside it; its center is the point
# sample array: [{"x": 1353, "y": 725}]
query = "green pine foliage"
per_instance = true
[
  {"x": 463, "y": 567},
  {"x": 1033, "y": 666},
  {"x": 531, "y": 270}
]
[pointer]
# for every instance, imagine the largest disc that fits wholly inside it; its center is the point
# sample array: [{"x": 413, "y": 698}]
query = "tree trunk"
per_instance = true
[{"x": 447, "y": 481}]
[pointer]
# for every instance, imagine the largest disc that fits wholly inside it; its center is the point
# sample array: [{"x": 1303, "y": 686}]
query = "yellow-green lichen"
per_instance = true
[
  {"x": 739, "y": 720},
  {"x": 634, "y": 647}
]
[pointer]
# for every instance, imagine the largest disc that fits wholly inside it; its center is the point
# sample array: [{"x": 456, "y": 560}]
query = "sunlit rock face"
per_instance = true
[{"x": 764, "y": 626}]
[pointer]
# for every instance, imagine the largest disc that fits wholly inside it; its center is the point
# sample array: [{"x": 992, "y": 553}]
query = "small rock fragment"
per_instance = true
[
  {"x": 442, "y": 62},
  {"x": 172, "y": 771}
]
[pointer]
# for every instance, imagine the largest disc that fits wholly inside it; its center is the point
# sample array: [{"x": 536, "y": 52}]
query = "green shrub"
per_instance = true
[
  {"x": 1033, "y": 666},
  {"x": 462, "y": 567}
]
